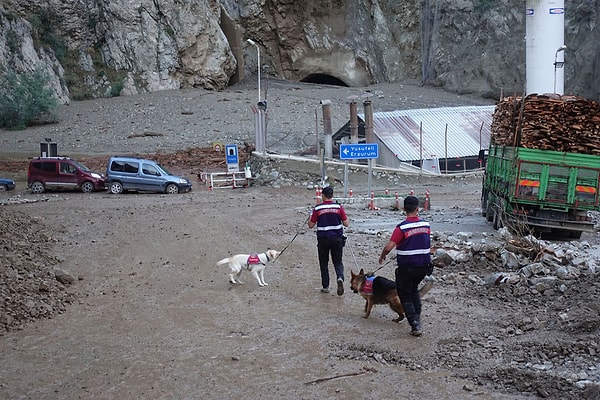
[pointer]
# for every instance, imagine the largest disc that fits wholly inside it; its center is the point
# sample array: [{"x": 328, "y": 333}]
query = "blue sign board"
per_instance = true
[
  {"x": 231, "y": 155},
  {"x": 357, "y": 151},
  {"x": 231, "y": 152}
]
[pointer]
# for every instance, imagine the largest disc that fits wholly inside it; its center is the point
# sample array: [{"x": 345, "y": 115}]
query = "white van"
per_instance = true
[{"x": 136, "y": 174}]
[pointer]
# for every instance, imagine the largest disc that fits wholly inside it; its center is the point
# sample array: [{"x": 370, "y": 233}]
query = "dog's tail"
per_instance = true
[
  {"x": 426, "y": 288},
  {"x": 223, "y": 262}
]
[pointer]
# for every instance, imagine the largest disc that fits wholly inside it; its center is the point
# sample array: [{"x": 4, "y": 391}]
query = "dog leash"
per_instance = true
[
  {"x": 352, "y": 252},
  {"x": 295, "y": 236},
  {"x": 382, "y": 265},
  {"x": 371, "y": 273}
]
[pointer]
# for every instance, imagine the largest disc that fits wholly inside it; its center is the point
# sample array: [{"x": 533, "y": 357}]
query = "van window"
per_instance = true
[
  {"x": 44, "y": 166},
  {"x": 116, "y": 166},
  {"x": 149, "y": 169},
  {"x": 66, "y": 168},
  {"x": 80, "y": 166},
  {"x": 120, "y": 166},
  {"x": 131, "y": 167}
]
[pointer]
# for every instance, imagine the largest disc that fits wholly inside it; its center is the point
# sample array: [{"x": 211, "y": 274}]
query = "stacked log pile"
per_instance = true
[{"x": 548, "y": 122}]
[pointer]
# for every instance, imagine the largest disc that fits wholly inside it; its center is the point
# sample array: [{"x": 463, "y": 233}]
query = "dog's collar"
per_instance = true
[{"x": 267, "y": 255}]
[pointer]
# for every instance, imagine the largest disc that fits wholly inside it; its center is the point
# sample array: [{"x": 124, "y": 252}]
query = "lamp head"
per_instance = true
[{"x": 252, "y": 42}]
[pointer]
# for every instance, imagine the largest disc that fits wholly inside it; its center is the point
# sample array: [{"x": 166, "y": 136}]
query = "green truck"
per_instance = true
[{"x": 545, "y": 192}]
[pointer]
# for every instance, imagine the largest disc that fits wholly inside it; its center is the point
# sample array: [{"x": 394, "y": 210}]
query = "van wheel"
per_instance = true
[
  {"x": 37, "y": 187},
  {"x": 87, "y": 187},
  {"x": 115, "y": 188},
  {"x": 172, "y": 188}
]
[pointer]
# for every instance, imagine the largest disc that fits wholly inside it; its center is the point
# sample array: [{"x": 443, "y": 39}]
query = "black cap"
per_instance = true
[
  {"x": 328, "y": 191},
  {"x": 411, "y": 202}
]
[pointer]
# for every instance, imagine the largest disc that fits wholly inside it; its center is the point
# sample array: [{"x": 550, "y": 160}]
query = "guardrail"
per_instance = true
[{"x": 224, "y": 180}]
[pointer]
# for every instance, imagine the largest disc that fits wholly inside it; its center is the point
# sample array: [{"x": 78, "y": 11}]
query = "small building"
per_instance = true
[{"x": 446, "y": 139}]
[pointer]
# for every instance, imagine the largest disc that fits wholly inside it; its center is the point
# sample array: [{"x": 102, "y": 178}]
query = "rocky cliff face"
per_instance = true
[{"x": 96, "y": 48}]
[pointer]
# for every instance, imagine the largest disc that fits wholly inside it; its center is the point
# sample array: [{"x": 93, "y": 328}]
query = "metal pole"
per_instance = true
[
  {"x": 556, "y": 65},
  {"x": 252, "y": 42},
  {"x": 322, "y": 160},
  {"x": 421, "y": 145},
  {"x": 263, "y": 128},
  {"x": 369, "y": 179},
  {"x": 345, "y": 178},
  {"x": 353, "y": 120},
  {"x": 327, "y": 130},
  {"x": 370, "y": 137},
  {"x": 369, "y": 134},
  {"x": 446, "y": 147},
  {"x": 317, "y": 147}
]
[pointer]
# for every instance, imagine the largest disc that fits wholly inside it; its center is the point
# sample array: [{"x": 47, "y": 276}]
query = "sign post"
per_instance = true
[
  {"x": 357, "y": 151},
  {"x": 231, "y": 154}
]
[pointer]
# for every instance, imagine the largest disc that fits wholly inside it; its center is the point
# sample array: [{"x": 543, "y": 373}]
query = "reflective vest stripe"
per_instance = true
[
  {"x": 412, "y": 225},
  {"x": 329, "y": 228},
  {"x": 412, "y": 252}
]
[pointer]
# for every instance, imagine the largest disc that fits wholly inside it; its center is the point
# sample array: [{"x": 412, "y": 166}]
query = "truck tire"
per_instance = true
[
  {"x": 497, "y": 224},
  {"x": 489, "y": 215},
  {"x": 484, "y": 201}
]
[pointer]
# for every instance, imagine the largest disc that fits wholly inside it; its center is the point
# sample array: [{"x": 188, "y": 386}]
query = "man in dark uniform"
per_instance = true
[
  {"x": 412, "y": 241},
  {"x": 330, "y": 219}
]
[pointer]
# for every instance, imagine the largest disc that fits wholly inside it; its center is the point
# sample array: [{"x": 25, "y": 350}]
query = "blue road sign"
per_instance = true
[
  {"x": 231, "y": 152},
  {"x": 231, "y": 155},
  {"x": 357, "y": 151}
]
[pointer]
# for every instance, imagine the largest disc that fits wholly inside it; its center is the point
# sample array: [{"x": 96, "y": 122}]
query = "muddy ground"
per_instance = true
[{"x": 151, "y": 316}]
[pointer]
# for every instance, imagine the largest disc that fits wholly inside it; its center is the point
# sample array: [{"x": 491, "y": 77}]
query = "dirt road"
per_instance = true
[{"x": 155, "y": 318}]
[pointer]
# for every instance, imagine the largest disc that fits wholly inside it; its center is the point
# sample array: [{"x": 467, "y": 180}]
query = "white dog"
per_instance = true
[{"x": 254, "y": 263}]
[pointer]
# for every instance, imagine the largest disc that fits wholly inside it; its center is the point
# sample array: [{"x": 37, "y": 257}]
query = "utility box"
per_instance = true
[{"x": 48, "y": 150}]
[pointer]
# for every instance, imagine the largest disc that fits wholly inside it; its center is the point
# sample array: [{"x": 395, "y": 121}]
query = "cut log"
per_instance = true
[{"x": 548, "y": 122}]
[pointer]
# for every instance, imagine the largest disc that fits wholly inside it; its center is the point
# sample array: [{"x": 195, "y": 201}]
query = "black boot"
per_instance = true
[{"x": 416, "y": 329}]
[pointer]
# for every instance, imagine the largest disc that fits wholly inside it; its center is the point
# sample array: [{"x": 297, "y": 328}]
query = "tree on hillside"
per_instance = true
[{"x": 24, "y": 98}]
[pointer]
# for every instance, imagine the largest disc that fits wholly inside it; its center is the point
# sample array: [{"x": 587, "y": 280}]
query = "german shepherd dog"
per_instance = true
[{"x": 380, "y": 290}]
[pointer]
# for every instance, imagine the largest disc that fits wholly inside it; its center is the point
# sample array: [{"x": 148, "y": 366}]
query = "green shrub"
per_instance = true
[
  {"x": 25, "y": 97},
  {"x": 115, "y": 89},
  {"x": 44, "y": 32}
]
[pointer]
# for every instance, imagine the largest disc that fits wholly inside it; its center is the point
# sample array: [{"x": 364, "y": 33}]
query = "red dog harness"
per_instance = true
[
  {"x": 367, "y": 287},
  {"x": 253, "y": 260}
]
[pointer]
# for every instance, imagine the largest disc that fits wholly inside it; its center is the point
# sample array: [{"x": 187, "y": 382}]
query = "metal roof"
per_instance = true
[{"x": 468, "y": 131}]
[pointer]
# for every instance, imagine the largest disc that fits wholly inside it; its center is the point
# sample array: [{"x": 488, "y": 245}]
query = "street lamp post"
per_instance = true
[
  {"x": 558, "y": 64},
  {"x": 253, "y": 43}
]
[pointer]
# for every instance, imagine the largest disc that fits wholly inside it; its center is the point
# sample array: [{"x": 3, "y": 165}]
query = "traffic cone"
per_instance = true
[
  {"x": 426, "y": 205},
  {"x": 397, "y": 201},
  {"x": 372, "y": 202},
  {"x": 350, "y": 194},
  {"x": 318, "y": 195},
  {"x": 412, "y": 192}
]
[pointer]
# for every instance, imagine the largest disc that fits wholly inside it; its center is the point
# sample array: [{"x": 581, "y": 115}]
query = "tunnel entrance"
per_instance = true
[{"x": 323, "y": 79}]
